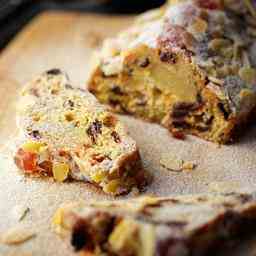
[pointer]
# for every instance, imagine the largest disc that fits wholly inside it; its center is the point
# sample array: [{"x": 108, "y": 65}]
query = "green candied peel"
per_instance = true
[{"x": 250, "y": 7}]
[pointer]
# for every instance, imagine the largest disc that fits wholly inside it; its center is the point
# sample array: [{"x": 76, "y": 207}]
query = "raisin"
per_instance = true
[
  {"x": 98, "y": 158},
  {"x": 180, "y": 124},
  {"x": 202, "y": 128},
  {"x": 94, "y": 129},
  {"x": 117, "y": 90},
  {"x": 168, "y": 57},
  {"x": 209, "y": 4},
  {"x": 77, "y": 124},
  {"x": 223, "y": 110},
  {"x": 199, "y": 99},
  {"x": 113, "y": 102},
  {"x": 65, "y": 154},
  {"x": 179, "y": 113},
  {"x": 178, "y": 135},
  {"x": 79, "y": 236},
  {"x": 183, "y": 105},
  {"x": 69, "y": 103},
  {"x": 180, "y": 109},
  {"x": 144, "y": 62},
  {"x": 47, "y": 167},
  {"x": 208, "y": 120},
  {"x": 116, "y": 137},
  {"x": 188, "y": 53},
  {"x": 54, "y": 71},
  {"x": 206, "y": 81},
  {"x": 35, "y": 134}
]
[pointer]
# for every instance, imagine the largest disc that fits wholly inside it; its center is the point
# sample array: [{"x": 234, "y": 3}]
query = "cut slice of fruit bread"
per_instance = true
[
  {"x": 66, "y": 133},
  {"x": 169, "y": 226},
  {"x": 189, "y": 65}
]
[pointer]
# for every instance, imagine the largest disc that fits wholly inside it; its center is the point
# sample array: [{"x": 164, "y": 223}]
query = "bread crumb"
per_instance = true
[
  {"x": 175, "y": 164},
  {"x": 189, "y": 166},
  {"x": 17, "y": 235}
]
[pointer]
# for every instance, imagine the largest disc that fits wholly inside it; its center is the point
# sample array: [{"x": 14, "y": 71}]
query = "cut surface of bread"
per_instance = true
[
  {"x": 189, "y": 65},
  {"x": 147, "y": 226},
  {"x": 66, "y": 133}
]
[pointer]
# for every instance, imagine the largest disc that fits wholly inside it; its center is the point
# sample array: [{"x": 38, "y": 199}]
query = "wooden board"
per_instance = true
[{"x": 65, "y": 40}]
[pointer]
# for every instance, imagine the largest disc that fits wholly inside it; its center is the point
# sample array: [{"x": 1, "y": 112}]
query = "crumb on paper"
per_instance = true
[
  {"x": 19, "y": 212},
  {"x": 175, "y": 164},
  {"x": 93, "y": 39},
  {"x": 224, "y": 186},
  {"x": 17, "y": 235}
]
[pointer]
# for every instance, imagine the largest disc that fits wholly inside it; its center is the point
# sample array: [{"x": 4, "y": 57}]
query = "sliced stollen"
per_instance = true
[
  {"x": 189, "y": 65},
  {"x": 149, "y": 226},
  {"x": 66, "y": 133}
]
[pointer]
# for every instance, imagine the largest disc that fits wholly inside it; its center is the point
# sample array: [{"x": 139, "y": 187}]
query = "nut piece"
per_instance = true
[
  {"x": 60, "y": 171},
  {"x": 171, "y": 163},
  {"x": 17, "y": 235}
]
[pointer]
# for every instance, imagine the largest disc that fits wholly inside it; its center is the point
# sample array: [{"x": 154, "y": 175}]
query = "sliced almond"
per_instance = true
[
  {"x": 171, "y": 163},
  {"x": 17, "y": 235}
]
